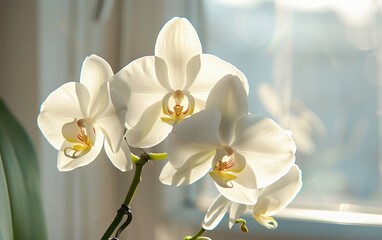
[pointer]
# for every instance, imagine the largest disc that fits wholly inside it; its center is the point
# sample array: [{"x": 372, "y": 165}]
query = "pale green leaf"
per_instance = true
[
  {"x": 22, "y": 176},
  {"x": 5, "y": 213}
]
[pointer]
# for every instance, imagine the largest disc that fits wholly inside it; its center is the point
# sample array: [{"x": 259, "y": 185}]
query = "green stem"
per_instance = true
[
  {"x": 200, "y": 233},
  {"x": 136, "y": 180},
  {"x": 157, "y": 156},
  {"x": 130, "y": 194}
]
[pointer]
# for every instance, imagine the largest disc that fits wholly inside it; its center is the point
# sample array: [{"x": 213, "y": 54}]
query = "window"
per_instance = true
[{"x": 313, "y": 66}]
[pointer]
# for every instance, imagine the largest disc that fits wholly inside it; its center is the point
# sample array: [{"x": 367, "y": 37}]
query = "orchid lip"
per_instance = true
[
  {"x": 227, "y": 168},
  {"x": 80, "y": 135},
  {"x": 177, "y": 105}
]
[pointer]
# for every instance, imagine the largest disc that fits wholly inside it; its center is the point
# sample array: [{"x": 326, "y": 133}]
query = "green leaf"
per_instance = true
[
  {"x": 19, "y": 172},
  {"x": 5, "y": 213}
]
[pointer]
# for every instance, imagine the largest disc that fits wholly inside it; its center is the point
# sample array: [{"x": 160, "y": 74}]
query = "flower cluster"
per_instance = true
[{"x": 199, "y": 104}]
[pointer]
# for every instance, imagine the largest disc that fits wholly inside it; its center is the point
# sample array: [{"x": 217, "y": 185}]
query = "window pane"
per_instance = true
[{"x": 313, "y": 68}]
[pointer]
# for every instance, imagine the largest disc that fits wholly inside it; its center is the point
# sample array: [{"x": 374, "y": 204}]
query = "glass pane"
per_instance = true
[{"x": 313, "y": 68}]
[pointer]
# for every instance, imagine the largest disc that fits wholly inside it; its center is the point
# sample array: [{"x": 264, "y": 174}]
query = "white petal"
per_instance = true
[
  {"x": 200, "y": 104},
  {"x": 192, "y": 70},
  {"x": 194, "y": 169},
  {"x": 121, "y": 159},
  {"x": 230, "y": 98},
  {"x": 235, "y": 212},
  {"x": 243, "y": 189},
  {"x": 95, "y": 72},
  {"x": 195, "y": 134},
  {"x": 177, "y": 43},
  {"x": 150, "y": 130},
  {"x": 216, "y": 212},
  {"x": 278, "y": 195},
  {"x": 268, "y": 148},
  {"x": 266, "y": 221},
  {"x": 65, "y": 163},
  {"x": 100, "y": 101},
  {"x": 112, "y": 123},
  {"x": 120, "y": 93},
  {"x": 147, "y": 80},
  {"x": 212, "y": 69},
  {"x": 68, "y": 102}
]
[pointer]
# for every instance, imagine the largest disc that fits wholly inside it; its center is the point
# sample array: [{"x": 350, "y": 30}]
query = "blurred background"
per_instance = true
[{"x": 314, "y": 66}]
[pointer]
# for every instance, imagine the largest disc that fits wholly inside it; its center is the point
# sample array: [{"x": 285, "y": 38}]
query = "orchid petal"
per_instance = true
[
  {"x": 212, "y": 69},
  {"x": 195, "y": 134},
  {"x": 197, "y": 167},
  {"x": 100, "y": 101},
  {"x": 199, "y": 104},
  {"x": 278, "y": 195},
  {"x": 268, "y": 149},
  {"x": 216, "y": 212},
  {"x": 146, "y": 78},
  {"x": 95, "y": 72},
  {"x": 65, "y": 163},
  {"x": 120, "y": 159},
  {"x": 230, "y": 98},
  {"x": 302, "y": 133},
  {"x": 222, "y": 178},
  {"x": 120, "y": 93},
  {"x": 150, "y": 130},
  {"x": 112, "y": 123},
  {"x": 239, "y": 163},
  {"x": 177, "y": 43},
  {"x": 235, "y": 212},
  {"x": 68, "y": 102},
  {"x": 266, "y": 221},
  {"x": 242, "y": 189},
  {"x": 70, "y": 131},
  {"x": 192, "y": 70}
]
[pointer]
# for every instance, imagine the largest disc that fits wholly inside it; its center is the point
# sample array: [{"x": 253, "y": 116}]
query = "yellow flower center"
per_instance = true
[
  {"x": 221, "y": 166},
  {"x": 226, "y": 168},
  {"x": 80, "y": 136},
  {"x": 177, "y": 105}
]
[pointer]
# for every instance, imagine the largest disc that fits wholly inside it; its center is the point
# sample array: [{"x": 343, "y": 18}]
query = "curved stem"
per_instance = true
[
  {"x": 200, "y": 233},
  {"x": 130, "y": 194}
]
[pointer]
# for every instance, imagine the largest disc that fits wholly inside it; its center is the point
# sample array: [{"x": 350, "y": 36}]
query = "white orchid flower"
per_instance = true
[
  {"x": 79, "y": 118},
  {"x": 272, "y": 200},
  {"x": 241, "y": 153},
  {"x": 170, "y": 86}
]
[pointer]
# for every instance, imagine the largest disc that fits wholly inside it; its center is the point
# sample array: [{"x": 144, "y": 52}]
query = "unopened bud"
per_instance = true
[{"x": 243, "y": 226}]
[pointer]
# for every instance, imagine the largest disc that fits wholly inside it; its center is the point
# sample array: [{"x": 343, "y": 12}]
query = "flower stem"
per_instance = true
[
  {"x": 130, "y": 194},
  {"x": 157, "y": 156},
  {"x": 200, "y": 233},
  {"x": 137, "y": 178}
]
